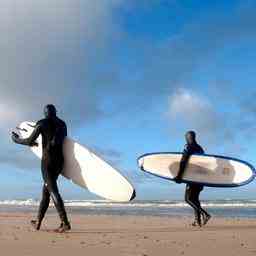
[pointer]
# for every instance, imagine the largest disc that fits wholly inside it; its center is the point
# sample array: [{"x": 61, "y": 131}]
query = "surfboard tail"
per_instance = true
[{"x": 133, "y": 195}]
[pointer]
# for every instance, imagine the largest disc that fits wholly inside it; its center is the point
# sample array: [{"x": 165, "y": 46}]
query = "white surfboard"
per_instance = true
[
  {"x": 208, "y": 170},
  {"x": 86, "y": 169}
]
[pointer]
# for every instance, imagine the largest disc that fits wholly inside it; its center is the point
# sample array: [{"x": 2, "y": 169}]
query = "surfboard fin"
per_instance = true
[{"x": 133, "y": 195}]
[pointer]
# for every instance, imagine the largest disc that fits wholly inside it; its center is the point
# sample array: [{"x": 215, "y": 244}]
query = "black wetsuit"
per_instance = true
[
  {"x": 53, "y": 131},
  {"x": 192, "y": 190}
]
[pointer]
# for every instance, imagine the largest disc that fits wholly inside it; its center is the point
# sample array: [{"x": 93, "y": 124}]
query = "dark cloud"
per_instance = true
[
  {"x": 112, "y": 156},
  {"x": 76, "y": 56},
  {"x": 19, "y": 158},
  {"x": 51, "y": 53}
]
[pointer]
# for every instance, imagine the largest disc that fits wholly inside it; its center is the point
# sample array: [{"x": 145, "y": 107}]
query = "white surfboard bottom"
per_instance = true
[{"x": 208, "y": 170}]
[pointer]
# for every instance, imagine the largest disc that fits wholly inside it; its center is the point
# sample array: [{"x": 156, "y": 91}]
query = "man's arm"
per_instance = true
[
  {"x": 31, "y": 140},
  {"x": 183, "y": 164},
  {"x": 65, "y": 130}
]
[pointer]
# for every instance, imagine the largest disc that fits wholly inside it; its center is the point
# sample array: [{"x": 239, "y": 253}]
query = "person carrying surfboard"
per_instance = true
[
  {"x": 53, "y": 131},
  {"x": 193, "y": 190}
]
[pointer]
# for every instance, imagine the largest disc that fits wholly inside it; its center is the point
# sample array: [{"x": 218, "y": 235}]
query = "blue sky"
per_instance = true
[{"x": 129, "y": 78}]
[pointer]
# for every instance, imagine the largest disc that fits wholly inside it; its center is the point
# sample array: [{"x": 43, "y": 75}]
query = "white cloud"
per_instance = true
[
  {"x": 191, "y": 111},
  {"x": 184, "y": 102}
]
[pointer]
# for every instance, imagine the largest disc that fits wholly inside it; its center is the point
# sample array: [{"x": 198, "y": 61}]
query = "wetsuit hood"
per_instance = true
[
  {"x": 50, "y": 111},
  {"x": 190, "y": 137}
]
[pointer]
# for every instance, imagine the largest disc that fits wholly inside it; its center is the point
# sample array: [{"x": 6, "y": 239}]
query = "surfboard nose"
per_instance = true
[
  {"x": 140, "y": 162},
  {"x": 133, "y": 195}
]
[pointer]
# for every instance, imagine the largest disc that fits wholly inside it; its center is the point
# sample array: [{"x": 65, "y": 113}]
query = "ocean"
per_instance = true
[{"x": 168, "y": 208}]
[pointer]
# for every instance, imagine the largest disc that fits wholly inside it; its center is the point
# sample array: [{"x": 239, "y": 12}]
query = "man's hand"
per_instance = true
[
  {"x": 177, "y": 180},
  {"x": 16, "y": 139},
  {"x": 35, "y": 144},
  {"x": 15, "y": 136}
]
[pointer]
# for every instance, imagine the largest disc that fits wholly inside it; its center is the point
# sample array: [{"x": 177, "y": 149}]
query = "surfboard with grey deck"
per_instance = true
[
  {"x": 86, "y": 169},
  {"x": 207, "y": 170}
]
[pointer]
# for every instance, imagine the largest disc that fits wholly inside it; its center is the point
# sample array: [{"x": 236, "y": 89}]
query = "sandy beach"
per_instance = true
[{"x": 127, "y": 235}]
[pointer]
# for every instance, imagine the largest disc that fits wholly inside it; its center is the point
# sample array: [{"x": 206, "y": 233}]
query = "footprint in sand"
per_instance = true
[
  {"x": 106, "y": 242},
  {"x": 14, "y": 236}
]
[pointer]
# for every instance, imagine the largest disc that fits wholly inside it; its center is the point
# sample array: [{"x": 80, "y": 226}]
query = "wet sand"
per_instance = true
[{"x": 127, "y": 235}]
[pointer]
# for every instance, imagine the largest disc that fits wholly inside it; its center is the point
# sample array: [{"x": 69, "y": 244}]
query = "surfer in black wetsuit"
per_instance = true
[
  {"x": 192, "y": 190},
  {"x": 53, "y": 131}
]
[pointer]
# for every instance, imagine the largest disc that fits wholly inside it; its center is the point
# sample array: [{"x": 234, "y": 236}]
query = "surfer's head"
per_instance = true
[
  {"x": 50, "y": 111},
  {"x": 190, "y": 137}
]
